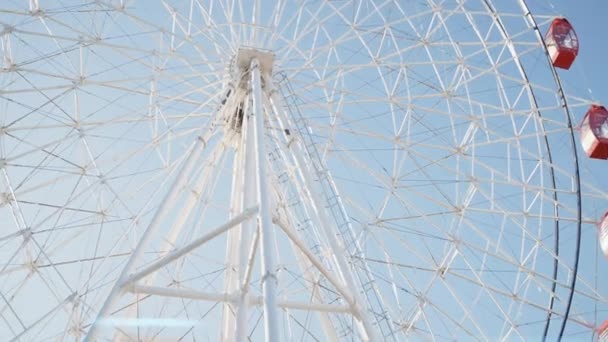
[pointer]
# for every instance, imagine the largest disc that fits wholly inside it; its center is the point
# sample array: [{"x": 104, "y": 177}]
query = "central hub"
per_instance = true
[
  {"x": 245, "y": 56},
  {"x": 237, "y": 94}
]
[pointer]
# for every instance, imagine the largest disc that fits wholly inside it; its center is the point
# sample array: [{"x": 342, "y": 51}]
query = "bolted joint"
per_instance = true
[{"x": 269, "y": 275}]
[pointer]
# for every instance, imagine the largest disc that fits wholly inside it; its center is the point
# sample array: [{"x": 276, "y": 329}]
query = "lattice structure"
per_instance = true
[{"x": 291, "y": 170}]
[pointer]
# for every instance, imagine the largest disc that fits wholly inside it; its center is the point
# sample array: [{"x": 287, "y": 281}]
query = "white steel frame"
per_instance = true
[
  {"x": 258, "y": 212},
  {"x": 251, "y": 228}
]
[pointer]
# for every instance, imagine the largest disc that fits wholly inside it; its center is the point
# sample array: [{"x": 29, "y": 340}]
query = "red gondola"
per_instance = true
[
  {"x": 594, "y": 132},
  {"x": 602, "y": 332},
  {"x": 602, "y": 233},
  {"x": 562, "y": 43}
]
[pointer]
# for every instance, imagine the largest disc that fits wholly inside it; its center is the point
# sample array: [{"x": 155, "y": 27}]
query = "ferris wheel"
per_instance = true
[{"x": 230, "y": 170}]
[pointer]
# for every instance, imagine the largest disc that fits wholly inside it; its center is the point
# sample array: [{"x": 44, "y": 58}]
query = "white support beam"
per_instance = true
[
  {"x": 311, "y": 278},
  {"x": 157, "y": 220},
  {"x": 267, "y": 239},
  {"x": 183, "y": 293},
  {"x": 249, "y": 197},
  {"x": 337, "y": 283},
  {"x": 247, "y": 214},
  {"x": 364, "y": 321},
  {"x": 232, "y": 298},
  {"x": 251, "y": 259},
  {"x": 192, "y": 198},
  {"x": 231, "y": 279}
]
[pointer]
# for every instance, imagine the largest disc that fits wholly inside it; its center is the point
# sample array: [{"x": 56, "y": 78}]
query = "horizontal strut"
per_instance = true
[
  {"x": 233, "y": 298},
  {"x": 245, "y": 215}
]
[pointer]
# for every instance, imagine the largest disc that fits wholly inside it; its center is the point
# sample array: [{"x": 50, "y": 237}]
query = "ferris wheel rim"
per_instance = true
[{"x": 561, "y": 92}]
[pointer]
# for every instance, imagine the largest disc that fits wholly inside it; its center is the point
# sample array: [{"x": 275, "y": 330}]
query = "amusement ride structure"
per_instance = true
[{"x": 231, "y": 170}]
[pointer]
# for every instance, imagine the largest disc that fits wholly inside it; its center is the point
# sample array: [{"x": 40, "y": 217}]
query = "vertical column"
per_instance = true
[
  {"x": 232, "y": 251},
  {"x": 249, "y": 198},
  {"x": 267, "y": 246}
]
